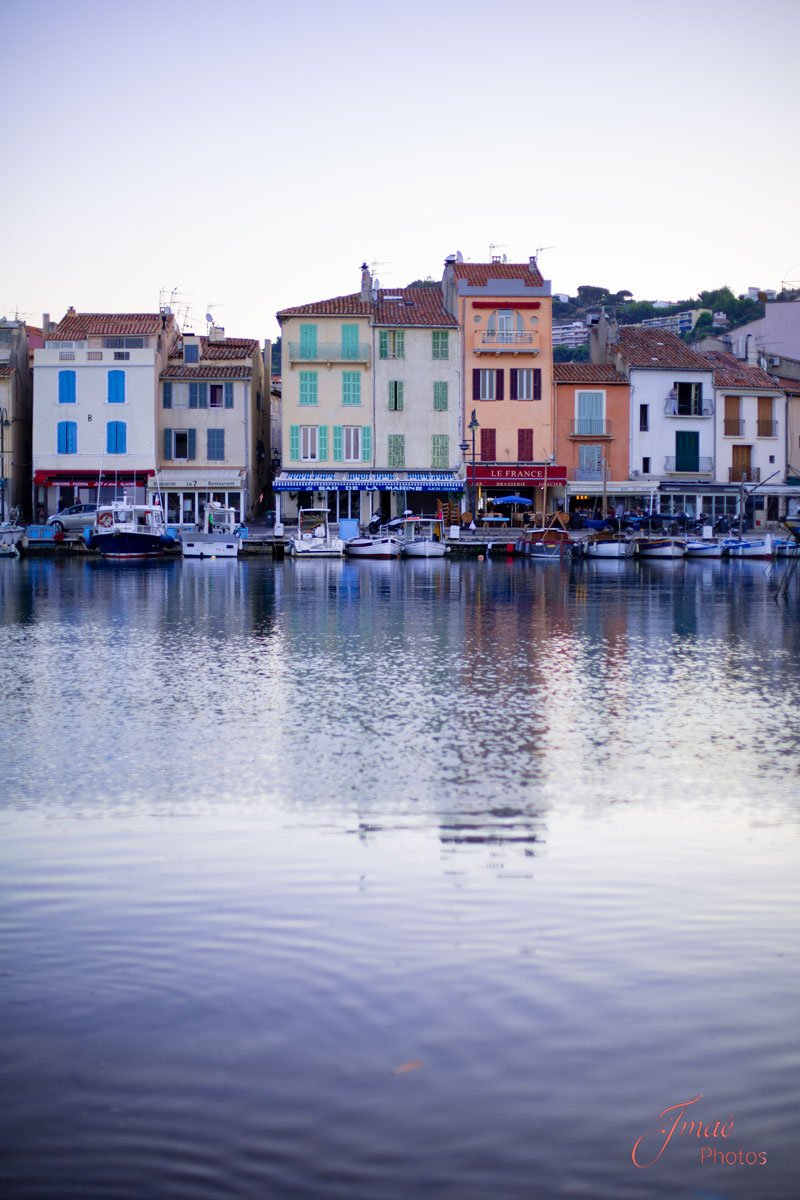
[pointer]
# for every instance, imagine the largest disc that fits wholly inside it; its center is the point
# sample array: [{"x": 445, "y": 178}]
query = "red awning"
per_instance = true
[{"x": 90, "y": 480}]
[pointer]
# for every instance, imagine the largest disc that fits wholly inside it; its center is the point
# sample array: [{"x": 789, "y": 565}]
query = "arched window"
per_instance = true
[{"x": 505, "y": 325}]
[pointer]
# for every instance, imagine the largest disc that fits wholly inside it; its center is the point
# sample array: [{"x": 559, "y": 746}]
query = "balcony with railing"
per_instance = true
[
  {"x": 589, "y": 427},
  {"x": 587, "y": 474},
  {"x": 329, "y": 352},
  {"x": 733, "y": 427},
  {"x": 488, "y": 341},
  {"x": 767, "y": 429},
  {"x": 744, "y": 474},
  {"x": 688, "y": 465},
  {"x": 675, "y": 406}
]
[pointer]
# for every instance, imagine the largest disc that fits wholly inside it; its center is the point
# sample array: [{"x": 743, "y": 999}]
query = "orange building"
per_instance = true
[
  {"x": 505, "y": 314},
  {"x": 592, "y": 426}
]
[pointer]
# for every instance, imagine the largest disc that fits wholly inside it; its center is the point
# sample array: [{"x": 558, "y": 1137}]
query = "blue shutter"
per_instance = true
[
  {"x": 192, "y": 395},
  {"x": 294, "y": 443},
  {"x": 62, "y": 437},
  {"x": 72, "y": 437},
  {"x": 323, "y": 443},
  {"x": 337, "y": 443},
  {"x": 111, "y": 437},
  {"x": 66, "y": 387},
  {"x": 229, "y": 395},
  {"x": 366, "y": 443},
  {"x": 167, "y": 395},
  {"x": 202, "y": 398},
  {"x": 192, "y": 449},
  {"x": 116, "y": 387},
  {"x": 167, "y": 443}
]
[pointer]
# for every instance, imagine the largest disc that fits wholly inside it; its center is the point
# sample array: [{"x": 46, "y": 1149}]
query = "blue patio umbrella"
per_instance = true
[{"x": 512, "y": 500}]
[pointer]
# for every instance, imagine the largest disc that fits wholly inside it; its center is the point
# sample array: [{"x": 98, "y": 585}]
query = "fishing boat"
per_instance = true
[
  {"x": 660, "y": 547},
  {"x": 551, "y": 543},
  {"x": 748, "y": 547},
  {"x": 608, "y": 546},
  {"x": 785, "y": 548},
  {"x": 8, "y": 550},
  {"x": 703, "y": 548},
  {"x": 12, "y": 533},
  {"x": 423, "y": 537},
  {"x": 124, "y": 530},
  {"x": 216, "y": 537},
  {"x": 314, "y": 538},
  {"x": 379, "y": 545}
]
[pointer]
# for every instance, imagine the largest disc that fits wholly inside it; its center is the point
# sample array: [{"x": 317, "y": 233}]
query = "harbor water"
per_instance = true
[{"x": 466, "y": 880}]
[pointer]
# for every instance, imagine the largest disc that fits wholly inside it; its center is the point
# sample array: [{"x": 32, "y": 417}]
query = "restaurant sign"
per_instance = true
[{"x": 516, "y": 475}]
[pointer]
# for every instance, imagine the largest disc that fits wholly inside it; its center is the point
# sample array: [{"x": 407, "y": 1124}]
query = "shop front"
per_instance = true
[
  {"x": 184, "y": 495},
  {"x": 56, "y": 490},
  {"x": 544, "y": 484},
  {"x": 359, "y": 494}
]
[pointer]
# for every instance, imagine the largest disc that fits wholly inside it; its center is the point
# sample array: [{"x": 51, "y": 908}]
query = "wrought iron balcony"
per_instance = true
[
  {"x": 590, "y": 427},
  {"x": 767, "y": 428},
  {"x": 733, "y": 427},
  {"x": 688, "y": 466},
  {"x": 328, "y": 352},
  {"x": 493, "y": 342},
  {"x": 587, "y": 474},
  {"x": 675, "y": 407},
  {"x": 744, "y": 475}
]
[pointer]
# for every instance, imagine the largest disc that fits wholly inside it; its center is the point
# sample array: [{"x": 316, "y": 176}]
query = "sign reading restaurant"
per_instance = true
[{"x": 516, "y": 475}]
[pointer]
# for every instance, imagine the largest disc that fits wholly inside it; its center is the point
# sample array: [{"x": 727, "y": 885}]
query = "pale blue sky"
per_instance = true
[{"x": 252, "y": 156}]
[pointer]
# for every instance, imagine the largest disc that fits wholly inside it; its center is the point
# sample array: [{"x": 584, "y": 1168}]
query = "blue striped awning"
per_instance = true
[{"x": 368, "y": 481}]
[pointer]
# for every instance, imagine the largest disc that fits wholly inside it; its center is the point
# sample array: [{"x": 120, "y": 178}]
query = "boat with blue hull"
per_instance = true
[{"x": 128, "y": 531}]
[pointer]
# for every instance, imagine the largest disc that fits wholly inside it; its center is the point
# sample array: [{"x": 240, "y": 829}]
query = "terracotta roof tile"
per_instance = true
[
  {"x": 658, "y": 348},
  {"x": 788, "y": 385},
  {"x": 581, "y": 372},
  {"x": 205, "y": 371},
  {"x": 479, "y": 274},
  {"x": 731, "y": 372},
  {"x": 416, "y": 306},
  {"x": 223, "y": 349},
  {"x": 338, "y": 306},
  {"x": 75, "y": 327}
]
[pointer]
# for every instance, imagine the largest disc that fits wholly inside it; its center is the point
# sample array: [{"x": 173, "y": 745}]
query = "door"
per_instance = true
[
  {"x": 308, "y": 342},
  {"x": 687, "y": 451},
  {"x": 742, "y": 467}
]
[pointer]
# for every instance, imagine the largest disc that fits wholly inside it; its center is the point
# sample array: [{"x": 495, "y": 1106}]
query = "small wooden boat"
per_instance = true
[
  {"x": 381, "y": 545},
  {"x": 423, "y": 537},
  {"x": 608, "y": 546},
  {"x": 660, "y": 547},
  {"x": 748, "y": 547},
  {"x": 704, "y": 548}
]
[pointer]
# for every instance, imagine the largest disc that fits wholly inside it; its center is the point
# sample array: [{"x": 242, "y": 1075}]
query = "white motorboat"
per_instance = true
[
  {"x": 380, "y": 545},
  {"x": 8, "y": 550},
  {"x": 703, "y": 548},
  {"x": 608, "y": 547},
  {"x": 217, "y": 536},
  {"x": 748, "y": 547},
  {"x": 314, "y": 538},
  {"x": 660, "y": 547},
  {"x": 124, "y": 530},
  {"x": 423, "y": 537}
]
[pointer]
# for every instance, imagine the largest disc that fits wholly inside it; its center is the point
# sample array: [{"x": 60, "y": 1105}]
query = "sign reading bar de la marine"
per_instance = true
[{"x": 517, "y": 475}]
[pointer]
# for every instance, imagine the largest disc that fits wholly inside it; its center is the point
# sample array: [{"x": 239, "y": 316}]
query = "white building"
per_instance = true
[{"x": 94, "y": 411}]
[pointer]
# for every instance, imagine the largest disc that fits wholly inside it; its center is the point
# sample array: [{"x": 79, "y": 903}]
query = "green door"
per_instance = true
[{"x": 687, "y": 451}]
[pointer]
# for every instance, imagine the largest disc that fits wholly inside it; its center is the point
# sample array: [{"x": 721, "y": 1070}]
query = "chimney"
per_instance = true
[
  {"x": 45, "y": 325},
  {"x": 366, "y": 284},
  {"x": 752, "y": 351},
  {"x": 532, "y": 267}
]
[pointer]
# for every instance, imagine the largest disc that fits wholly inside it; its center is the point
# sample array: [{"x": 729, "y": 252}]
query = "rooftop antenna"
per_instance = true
[
  {"x": 497, "y": 246},
  {"x": 209, "y": 318},
  {"x": 539, "y": 250},
  {"x": 787, "y": 277}
]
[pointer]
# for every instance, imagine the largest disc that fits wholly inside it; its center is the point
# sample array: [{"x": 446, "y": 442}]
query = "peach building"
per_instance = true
[
  {"x": 592, "y": 425},
  {"x": 505, "y": 314}
]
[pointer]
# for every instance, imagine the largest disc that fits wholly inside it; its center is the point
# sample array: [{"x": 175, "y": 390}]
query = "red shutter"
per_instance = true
[
  {"x": 488, "y": 445},
  {"x": 537, "y": 383},
  {"x": 498, "y": 385},
  {"x": 524, "y": 445},
  {"x": 476, "y": 383},
  {"x": 512, "y": 384}
]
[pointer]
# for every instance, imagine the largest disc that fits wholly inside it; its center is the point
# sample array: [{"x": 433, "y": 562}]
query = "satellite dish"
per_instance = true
[{"x": 209, "y": 318}]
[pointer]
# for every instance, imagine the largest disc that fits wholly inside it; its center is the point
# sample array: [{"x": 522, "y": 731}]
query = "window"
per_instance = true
[
  {"x": 645, "y": 466},
  {"x": 590, "y": 462},
  {"x": 524, "y": 445},
  {"x": 688, "y": 399},
  {"x": 487, "y": 385},
  {"x": 308, "y": 342},
  {"x": 191, "y": 354},
  {"x": 351, "y": 443},
  {"x": 67, "y": 437},
  {"x": 350, "y": 342},
  {"x": 66, "y": 387},
  {"x": 308, "y": 443},
  {"x": 215, "y": 395},
  {"x": 441, "y": 347},
  {"x": 351, "y": 388},
  {"x": 526, "y": 383},
  {"x": 440, "y": 451},
  {"x": 125, "y": 343},
  {"x": 396, "y": 450},
  {"x": 215, "y": 445},
  {"x": 198, "y": 395},
  {"x": 644, "y": 418},
  {"x": 505, "y": 327},
  {"x": 308, "y": 386},
  {"x": 116, "y": 387},
  {"x": 116, "y": 437},
  {"x": 488, "y": 445},
  {"x": 392, "y": 343},
  {"x": 440, "y": 396},
  {"x": 395, "y": 395},
  {"x": 121, "y": 355},
  {"x": 766, "y": 427},
  {"x": 180, "y": 444},
  {"x": 589, "y": 413}
]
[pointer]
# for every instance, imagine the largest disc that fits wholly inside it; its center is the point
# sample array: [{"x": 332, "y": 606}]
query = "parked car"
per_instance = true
[{"x": 77, "y": 516}]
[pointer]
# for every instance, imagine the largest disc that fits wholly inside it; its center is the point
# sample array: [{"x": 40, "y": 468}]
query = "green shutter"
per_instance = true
[
  {"x": 167, "y": 443},
  {"x": 440, "y": 396},
  {"x": 337, "y": 443},
  {"x": 294, "y": 443},
  {"x": 441, "y": 347},
  {"x": 322, "y": 434},
  {"x": 192, "y": 440},
  {"x": 350, "y": 342},
  {"x": 308, "y": 387},
  {"x": 366, "y": 443},
  {"x": 228, "y": 394},
  {"x": 308, "y": 342},
  {"x": 351, "y": 387},
  {"x": 167, "y": 395},
  {"x": 440, "y": 450},
  {"x": 400, "y": 344},
  {"x": 384, "y": 344}
]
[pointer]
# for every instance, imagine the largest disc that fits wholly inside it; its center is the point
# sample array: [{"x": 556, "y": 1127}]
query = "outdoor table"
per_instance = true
[{"x": 495, "y": 519}]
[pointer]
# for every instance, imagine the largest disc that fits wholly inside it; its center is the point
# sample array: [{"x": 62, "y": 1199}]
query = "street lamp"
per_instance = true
[
  {"x": 473, "y": 425},
  {"x": 4, "y": 425}
]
